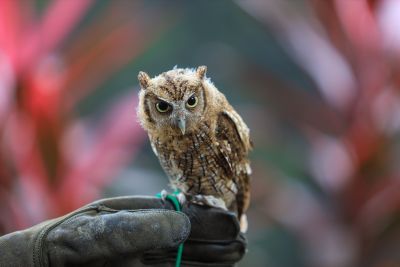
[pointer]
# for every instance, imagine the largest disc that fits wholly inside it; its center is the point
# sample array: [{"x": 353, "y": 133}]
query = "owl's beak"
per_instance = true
[{"x": 181, "y": 122}]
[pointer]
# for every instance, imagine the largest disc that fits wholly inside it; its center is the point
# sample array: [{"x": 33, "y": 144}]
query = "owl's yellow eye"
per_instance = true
[
  {"x": 163, "y": 106},
  {"x": 192, "y": 101}
]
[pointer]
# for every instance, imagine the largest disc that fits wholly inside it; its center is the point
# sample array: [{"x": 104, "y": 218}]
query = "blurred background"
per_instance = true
[{"x": 317, "y": 82}]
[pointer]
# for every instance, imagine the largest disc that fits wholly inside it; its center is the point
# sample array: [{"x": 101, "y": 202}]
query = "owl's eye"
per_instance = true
[
  {"x": 163, "y": 106},
  {"x": 192, "y": 101}
]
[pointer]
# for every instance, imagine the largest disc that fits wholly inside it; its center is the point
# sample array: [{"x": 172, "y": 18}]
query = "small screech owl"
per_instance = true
[{"x": 201, "y": 141}]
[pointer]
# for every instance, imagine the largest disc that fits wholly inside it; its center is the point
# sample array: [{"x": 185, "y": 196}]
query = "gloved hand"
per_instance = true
[{"x": 128, "y": 231}]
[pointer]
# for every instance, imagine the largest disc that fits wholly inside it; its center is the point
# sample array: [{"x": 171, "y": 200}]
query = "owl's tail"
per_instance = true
[
  {"x": 243, "y": 195},
  {"x": 243, "y": 202}
]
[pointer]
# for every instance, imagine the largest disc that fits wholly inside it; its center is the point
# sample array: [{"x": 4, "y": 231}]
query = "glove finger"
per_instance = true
[
  {"x": 211, "y": 224},
  {"x": 204, "y": 252},
  {"x": 207, "y": 222},
  {"x": 134, "y": 203},
  {"x": 88, "y": 238},
  {"x": 218, "y": 252}
]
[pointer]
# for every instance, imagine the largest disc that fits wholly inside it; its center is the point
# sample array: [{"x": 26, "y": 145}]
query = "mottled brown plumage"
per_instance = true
[{"x": 201, "y": 141}]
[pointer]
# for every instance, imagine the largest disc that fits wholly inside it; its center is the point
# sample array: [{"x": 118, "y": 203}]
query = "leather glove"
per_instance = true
[{"x": 128, "y": 231}]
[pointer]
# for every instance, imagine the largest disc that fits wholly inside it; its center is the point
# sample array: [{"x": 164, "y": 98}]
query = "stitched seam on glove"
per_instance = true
[{"x": 38, "y": 242}]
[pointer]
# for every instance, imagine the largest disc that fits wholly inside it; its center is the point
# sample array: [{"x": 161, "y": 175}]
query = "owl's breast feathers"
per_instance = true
[{"x": 211, "y": 160}]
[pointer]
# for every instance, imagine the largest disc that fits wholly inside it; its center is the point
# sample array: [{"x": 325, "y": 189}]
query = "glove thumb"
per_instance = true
[{"x": 112, "y": 235}]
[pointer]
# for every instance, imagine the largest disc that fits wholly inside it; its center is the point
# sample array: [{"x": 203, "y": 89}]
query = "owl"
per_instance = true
[{"x": 201, "y": 141}]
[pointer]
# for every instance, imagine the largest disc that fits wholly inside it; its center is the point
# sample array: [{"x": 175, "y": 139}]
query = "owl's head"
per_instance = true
[{"x": 174, "y": 101}]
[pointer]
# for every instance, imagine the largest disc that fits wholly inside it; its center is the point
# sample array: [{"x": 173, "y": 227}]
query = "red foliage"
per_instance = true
[{"x": 51, "y": 160}]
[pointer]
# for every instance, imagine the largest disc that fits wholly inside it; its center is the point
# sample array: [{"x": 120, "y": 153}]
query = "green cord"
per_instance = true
[{"x": 175, "y": 202}]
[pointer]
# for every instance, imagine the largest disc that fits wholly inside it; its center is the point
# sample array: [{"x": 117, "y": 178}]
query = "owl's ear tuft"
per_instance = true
[
  {"x": 201, "y": 72},
  {"x": 144, "y": 79}
]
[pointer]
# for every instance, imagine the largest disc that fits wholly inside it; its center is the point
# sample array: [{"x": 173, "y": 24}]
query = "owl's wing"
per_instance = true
[
  {"x": 234, "y": 144},
  {"x": 236, "y": 131}
]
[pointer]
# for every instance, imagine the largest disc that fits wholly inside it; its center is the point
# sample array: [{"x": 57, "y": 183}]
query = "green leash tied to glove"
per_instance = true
[{"x": 175, "y": 202}]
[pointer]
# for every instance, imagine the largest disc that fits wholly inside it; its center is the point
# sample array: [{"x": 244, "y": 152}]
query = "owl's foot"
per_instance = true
[
  {"x": 209, "y": 201},
  {"x": 181, "y": 198},
  {"x": 244, "y": 225},
  {"x": 163, "y": 195}
]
